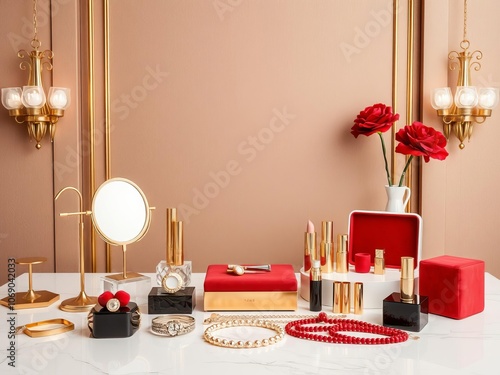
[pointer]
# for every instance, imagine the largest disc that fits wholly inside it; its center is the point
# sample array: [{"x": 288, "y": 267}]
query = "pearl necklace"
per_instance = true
[
  {"x": 239, "y": 344},
  {"x": 303, "y": 328}
]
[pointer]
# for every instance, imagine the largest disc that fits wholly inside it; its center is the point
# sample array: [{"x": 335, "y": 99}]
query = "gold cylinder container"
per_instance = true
[
  {"x": 341, "y": 265},
  {"x": 379, "y": 262},
  {"x": 358, "y": 298},
  {"x": 178, "y": 243},
  {"x": 326, "y": 247},
  {"x": 346, "y": 298},
  {"x": 337, "y": 297},
  {"x": 171, "y": 218}
]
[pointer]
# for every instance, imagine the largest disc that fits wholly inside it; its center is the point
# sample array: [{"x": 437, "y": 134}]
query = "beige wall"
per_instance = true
[
  {"x": 461, "y": 205},
  {"x": 190, "y": 87}
]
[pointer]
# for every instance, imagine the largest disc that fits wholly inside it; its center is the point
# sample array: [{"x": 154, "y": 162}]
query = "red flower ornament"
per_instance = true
[
  {"x": 414, "y": 140},
  {"x": 377, "y": 118},
  {"x": 421, "y": 140}
]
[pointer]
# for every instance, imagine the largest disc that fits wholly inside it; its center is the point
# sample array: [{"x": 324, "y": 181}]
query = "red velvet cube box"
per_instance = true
[
  {"x": 274, "y": 290},
  {"x": 454, "y": 285}
]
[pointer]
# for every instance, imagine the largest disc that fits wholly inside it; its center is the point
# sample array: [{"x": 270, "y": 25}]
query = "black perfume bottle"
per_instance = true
[
  {"x": 406, "y": 310},
  {"x": 315, "y": 303}
]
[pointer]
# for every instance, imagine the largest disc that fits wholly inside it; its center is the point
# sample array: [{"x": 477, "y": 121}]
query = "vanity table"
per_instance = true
[{"x": 444, "y": 346}]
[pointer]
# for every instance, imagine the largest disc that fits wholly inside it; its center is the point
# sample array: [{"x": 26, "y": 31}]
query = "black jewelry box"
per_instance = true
[
  {"x": 180, "y": 302},
  {"x": 104, "y": 324}
]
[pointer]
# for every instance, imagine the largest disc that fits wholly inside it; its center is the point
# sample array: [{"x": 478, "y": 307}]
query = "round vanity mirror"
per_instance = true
[{"x": 120, "y": 212}]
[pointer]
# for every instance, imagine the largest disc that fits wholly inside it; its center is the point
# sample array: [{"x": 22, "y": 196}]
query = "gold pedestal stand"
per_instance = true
[{"x": 30, "y": 299}]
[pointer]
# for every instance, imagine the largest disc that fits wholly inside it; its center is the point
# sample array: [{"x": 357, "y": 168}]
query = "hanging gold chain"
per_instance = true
[
  {"x": 465, "y": 19},
  {"x": 35, "y": 43},
  {"x": 275, "y": 318}
]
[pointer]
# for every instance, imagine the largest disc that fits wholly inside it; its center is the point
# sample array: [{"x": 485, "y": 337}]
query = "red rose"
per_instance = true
[
  {"x": 421, "y": 140},
  {"x": 375, "y": 119}
]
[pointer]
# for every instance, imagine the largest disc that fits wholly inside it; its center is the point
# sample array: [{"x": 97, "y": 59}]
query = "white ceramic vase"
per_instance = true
[{"x": 397, "y": 198}]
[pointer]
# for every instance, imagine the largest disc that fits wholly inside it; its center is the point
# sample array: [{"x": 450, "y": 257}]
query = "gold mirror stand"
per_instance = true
[
  {"x": 82, "y": 302},
  {"x": 125, "y": 275},
  {"x": 30, "y": 299}
]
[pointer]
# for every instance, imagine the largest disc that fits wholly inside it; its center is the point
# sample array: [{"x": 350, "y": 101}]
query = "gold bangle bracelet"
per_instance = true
[
  {"x": 66, "y": 327},
  {"x": 239, "y": 344}
]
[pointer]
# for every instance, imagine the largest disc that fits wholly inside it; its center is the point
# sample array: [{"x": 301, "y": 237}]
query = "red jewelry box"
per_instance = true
[
  {"x": 454, "y": 285},
  {"x": 399, "y": 234},
  {"x": 274, "y": 290}
]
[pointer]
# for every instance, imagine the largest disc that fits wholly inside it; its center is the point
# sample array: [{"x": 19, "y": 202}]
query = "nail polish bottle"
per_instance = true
[{"x": 315, "y": 303}]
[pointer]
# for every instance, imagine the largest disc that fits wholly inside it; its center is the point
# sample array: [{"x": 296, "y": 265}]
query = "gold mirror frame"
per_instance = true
[{"x": 120, "y": 201}]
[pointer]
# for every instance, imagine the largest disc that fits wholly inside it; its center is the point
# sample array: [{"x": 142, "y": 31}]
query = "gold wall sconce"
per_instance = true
[
  {"x": 29, "y": 105},
  {"x": 470, "y": 104}
]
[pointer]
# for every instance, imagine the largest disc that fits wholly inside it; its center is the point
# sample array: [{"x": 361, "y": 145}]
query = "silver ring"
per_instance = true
[
  {"x": 172, "y": 325},
  {"x": 172, "y": 282}
]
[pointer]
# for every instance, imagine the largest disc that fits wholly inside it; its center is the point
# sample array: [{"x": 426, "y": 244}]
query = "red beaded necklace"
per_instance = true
[{"x": 303, "y": 328}]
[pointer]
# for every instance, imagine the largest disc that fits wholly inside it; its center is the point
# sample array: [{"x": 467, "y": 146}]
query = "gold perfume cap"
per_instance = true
[
  {"x": 379, "y": 253},
  {"x": 327, "y": 231},
  {"x": 407, "y": 267}
]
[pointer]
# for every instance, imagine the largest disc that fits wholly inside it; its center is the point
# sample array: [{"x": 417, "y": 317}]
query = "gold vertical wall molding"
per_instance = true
[
  {"x": 107, "y": 98},
  {"x": 91, "y": 126},
  {"x": 409, "y": 83},
  {"x": 395, "y": 39}
]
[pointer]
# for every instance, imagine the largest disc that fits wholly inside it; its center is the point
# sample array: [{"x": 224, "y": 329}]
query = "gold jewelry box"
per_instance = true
[{"x": 265, "y": 291}]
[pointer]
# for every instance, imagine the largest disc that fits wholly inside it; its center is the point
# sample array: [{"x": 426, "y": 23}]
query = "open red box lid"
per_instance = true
[{"x": 399, "y": 234}]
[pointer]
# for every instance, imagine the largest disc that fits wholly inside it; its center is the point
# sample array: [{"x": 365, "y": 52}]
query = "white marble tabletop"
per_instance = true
[{"x": 444, "y": 346}]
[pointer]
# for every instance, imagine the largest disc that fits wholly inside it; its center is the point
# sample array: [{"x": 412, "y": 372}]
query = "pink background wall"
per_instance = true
[{"x": 192, "y": 88}]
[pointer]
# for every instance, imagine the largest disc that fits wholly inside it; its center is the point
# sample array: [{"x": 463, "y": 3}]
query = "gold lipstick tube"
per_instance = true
[
  {"x": 309, "y": 250},
  {"x": 326, "y": 246},
  {"x": 346, "y": 298},
  {"x": 171, "y": 217},
  {"x": 178, "y": 243},
  {"x": 358, "y": 298},
  {"x": 379, "y": 262},
  {"x": 407, "y": 280},
  {"x": 337, "y": 297},
  {"x": 341, "y": 261}
]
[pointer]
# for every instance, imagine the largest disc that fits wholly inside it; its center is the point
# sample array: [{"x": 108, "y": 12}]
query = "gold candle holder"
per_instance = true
[{"x": 30, "y": 299}]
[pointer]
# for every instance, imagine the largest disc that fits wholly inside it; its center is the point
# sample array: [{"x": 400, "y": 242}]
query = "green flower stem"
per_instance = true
[
  {"x": 385, "y": 159},
  {"x": 404, "y": 170}
]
